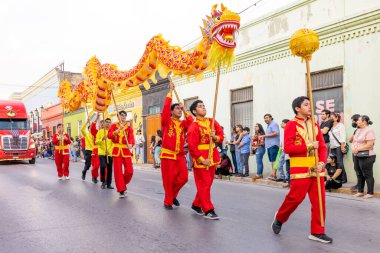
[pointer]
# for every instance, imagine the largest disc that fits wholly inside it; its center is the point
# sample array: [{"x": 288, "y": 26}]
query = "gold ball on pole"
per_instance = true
[{"x": 304, "y": 43}]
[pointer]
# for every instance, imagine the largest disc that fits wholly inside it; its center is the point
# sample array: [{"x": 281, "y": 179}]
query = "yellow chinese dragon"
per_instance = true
[{"x": 215, "y": 49}]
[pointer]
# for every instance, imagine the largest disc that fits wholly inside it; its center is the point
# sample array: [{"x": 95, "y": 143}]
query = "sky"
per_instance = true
[{"x": 37, "y": 35}]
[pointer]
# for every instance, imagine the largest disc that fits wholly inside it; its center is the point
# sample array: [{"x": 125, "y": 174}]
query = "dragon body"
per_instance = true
[{"x": 215, "y": 49}]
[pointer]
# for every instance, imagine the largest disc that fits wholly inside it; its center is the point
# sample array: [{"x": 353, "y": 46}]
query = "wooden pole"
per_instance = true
[
  {"x": 175, "y": 91},
  {"x": 104, "y": 131},
  {"x": 214, "y": 112},
  {"x": 118, "y": 116},
  {"x": 314, "y": 139}
]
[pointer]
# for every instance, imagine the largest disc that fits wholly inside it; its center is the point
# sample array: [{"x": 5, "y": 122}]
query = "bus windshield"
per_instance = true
[{"x": 13, "y": 124}]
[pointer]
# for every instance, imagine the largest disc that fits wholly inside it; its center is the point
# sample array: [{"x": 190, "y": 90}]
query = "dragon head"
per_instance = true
[{"x": 221, "y": 27}]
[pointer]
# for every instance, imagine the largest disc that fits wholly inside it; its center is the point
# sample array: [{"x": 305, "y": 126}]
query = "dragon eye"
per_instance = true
[{"x": 218, "y": 18}]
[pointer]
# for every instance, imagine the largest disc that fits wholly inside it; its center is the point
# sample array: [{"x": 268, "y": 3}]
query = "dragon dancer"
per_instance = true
[
  {"x": 299, "y": 144},
  {"x": 61, "y": 141},
  {"x": 173, "y": 163},
  {"x": 199, "y": 136},
  {"x": 123, "y": 140}
]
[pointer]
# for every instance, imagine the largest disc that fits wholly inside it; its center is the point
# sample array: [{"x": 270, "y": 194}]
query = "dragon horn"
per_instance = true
[
  {"x": 204, "y": 23},
  {"x": 223, "y": 7},
  {"x": 214, "y": 7}
]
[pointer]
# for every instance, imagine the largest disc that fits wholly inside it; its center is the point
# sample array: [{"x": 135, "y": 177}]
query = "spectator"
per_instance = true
[
  {"x": 187, "y": 156},
  {"x": 225, "y": 167},
  {"x": 73, "y": 152},
  {"x": 272, "y": 142},
  {"x": 284, "y": 159},
  {"x": 157, "y": 149},
  {"x": 364, "y": 156},
  {"x": 139, "y": 146},
  {"x": 151, "y": 147},
  {"x": 326, "y": 126},
  {"x": 258, "y": 149},
  {"x": 354, "y": 120},
  {"x": 337, "y": 136},
  {"x": 224, "y": 143},
  {"x": 238, "y": 137},
  {"x": 245, "y": 150},
  {"x": 334, "y": 173},
  {"x": 232, "y": 147}
]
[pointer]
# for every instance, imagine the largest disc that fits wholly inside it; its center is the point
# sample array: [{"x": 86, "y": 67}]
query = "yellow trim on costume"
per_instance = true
[
  {"x": 170, "y": 95},
  {"x": 206, "y": 146},
  {"x": 61, "y": 147},
  {"x": 306, "y": 175},
  {"x": 300, "y": 162}
]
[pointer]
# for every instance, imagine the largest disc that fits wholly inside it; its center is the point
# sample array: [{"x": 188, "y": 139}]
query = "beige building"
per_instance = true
[{"x": 266, "y": 78}]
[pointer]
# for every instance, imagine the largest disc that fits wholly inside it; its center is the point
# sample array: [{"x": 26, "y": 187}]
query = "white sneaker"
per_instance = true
[
  {"x": 60, "y": 178},
  {"x": 67, "y": 178}
]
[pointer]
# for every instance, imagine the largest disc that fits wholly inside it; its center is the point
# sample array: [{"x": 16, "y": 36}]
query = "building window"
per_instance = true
[
  {"x": 327, "y": 86},
  {"x": 188, "y": 101},
  {"x": 154, "y": 109},
  {"x": 242, "y": 107}
]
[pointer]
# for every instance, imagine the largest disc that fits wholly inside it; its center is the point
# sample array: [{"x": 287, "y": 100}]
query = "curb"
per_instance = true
[{"x": 343, "y": 190}]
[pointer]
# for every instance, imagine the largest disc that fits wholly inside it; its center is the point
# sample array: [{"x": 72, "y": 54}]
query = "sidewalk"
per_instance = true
[{"x": 345, "y": 189}]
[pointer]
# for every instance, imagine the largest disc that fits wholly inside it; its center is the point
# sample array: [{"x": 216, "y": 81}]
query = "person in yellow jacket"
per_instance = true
[
  {"x": 105, "y": 147},
  {"x": 88, "y": 147}
]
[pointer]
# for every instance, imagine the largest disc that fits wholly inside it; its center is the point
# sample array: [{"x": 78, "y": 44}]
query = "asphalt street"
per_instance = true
[{"x": 38, "y": 213}]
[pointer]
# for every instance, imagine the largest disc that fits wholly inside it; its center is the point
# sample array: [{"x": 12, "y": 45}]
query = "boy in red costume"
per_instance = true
[
  {"x": 95, "y": 161},
  {"x": 123, "y": 140},
  {"x": 299, "y": 144},
  {"x": 199, "y": 136},
  {"x": 173, "y": 163},
  {"x": 61, "y": 141}
]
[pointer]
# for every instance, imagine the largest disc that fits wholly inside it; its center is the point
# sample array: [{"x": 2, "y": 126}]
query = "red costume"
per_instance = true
[
  {"x": 121, "y": 155},
  {"x": 198, "y": 138},
  {"x": 298, "y": 144},
  {"x": 173, "y": 162},
  {"x": 61, "y": 154},
  {"x": 95, "y": 162}
]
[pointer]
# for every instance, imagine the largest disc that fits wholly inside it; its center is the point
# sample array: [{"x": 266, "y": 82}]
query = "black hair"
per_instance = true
[
  {"x": 297, "y": 102},
  {"x": 194, "y": 105},
  {"x": 328, "y": 112},
  {"x": 239, "y": 126},
  {"x": 153, "y": 138},
  {"x": 123, "y": 112},
  {"x": 337, "y": 115},
  {"x": 261, "y": 129},
  {"x": 366, "y": 119},
  {"x": 355, "y": 117},
  {"x": 285, "y": 121},
  {"x": 173, "y": 106},
  {"x": 58, "y": 125},
  {"x": 270, "y": 116},
  {"x": 333, "y": 157},
  {"x": 159, "y": 133},
  {"x": 223, "y": 156},
  {"x": 139, "y": 130},
  {"x": 107, "y": 119},
  {"x": 246, "y": 129}
]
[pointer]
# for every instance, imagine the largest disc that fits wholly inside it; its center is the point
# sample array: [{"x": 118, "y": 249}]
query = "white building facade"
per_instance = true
[{"x": 266, "y": 78}]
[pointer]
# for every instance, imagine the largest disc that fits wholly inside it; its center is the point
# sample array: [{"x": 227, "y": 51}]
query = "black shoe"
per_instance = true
[
  {"x": 211, "y": 215},
  {"x": 168, "y": 207},
  {"x": 103, "y": 186},
  {"x": 197, "y": 210},
  {"x": 83, "y": 175},
  {"x": 95, "y": 180},
  {"x": 110, "y": 187},
  {"x": 354, "y": 188},
  {"x": 122, "y": 195},
  {"x": 176, "y": 202},
  {"x": 280, "y": 180},
  {"x": 276, "y": 225},
  {"x": 323, "y": 238}
]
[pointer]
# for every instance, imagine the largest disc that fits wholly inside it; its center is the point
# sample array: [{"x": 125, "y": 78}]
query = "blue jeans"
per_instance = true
[
  {"x": 239, "y": 165},
  {"x": 73, "y": 154},
  {"x": 260, "y": 152},
  {"x": 288, "y": 170},
  {"x": 157, "y": 152},
  {"x": 188, "y": 161},
  {"x": 281, "y": 163}
]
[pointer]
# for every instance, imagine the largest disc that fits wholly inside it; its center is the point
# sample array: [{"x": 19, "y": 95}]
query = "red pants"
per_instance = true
[
  {"x": 174, "y": 177},
  {"x": 62, "y": 163},
  {"x": 122, "y": 178},
  {"x": 203, "y": 181},
  {"x": 297, "y": 193},
  {"x": 95, "y": 164}
]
